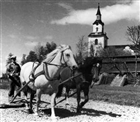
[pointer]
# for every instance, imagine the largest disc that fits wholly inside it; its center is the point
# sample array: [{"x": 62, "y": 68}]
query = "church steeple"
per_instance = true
[
  {"x": 97, "y": 39},
  {"x": 98, "y": 17},
  {"x": 98, "y": 14},
  {"x": 98, "y": 25}
]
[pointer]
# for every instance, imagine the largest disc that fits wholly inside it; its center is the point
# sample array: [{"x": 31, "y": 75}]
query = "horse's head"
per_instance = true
[
  {"x": 67, "y": 57},
  {"x": 90, "y": 68},
  {"x": 96, "y": 70}
]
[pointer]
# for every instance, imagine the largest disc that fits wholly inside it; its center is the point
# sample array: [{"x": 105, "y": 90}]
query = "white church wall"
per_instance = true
[
  {"x": 99, "y": 26},
  {"x": 100, "y": 41}
]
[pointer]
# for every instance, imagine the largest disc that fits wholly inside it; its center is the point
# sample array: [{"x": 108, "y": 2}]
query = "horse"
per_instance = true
[
  {"x": 89, "y": 70},
  {"x": 45, "y": 75}
]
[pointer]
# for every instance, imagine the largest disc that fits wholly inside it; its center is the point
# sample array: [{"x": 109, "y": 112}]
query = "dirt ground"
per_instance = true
[{"x": 93, "y": 111}]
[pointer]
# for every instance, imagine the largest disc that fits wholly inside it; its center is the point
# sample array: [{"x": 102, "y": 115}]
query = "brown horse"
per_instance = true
[{"x": 89, "y": 70}]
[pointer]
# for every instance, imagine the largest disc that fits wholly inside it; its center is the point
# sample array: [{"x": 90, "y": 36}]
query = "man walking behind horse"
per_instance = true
[{"x": 13, "y": 72}]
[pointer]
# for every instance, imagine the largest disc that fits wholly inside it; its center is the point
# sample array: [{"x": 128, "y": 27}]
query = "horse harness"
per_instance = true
[{"x": 45, "y": 72}]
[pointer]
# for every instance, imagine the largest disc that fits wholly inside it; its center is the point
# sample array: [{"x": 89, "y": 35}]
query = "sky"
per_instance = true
[{"x": 25, "y": 23}]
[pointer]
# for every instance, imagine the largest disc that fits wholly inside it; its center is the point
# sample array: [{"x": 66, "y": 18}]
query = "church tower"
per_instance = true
[{"x": 97, "y": 39}]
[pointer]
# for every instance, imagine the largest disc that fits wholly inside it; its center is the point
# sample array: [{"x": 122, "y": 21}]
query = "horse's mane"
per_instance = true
[
  {"x": 87, "y": 64},
  {"x": 50, "y": 56}
]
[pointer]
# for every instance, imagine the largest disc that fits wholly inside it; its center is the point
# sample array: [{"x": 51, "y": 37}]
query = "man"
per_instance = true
[{"x": 13, "y": 72}]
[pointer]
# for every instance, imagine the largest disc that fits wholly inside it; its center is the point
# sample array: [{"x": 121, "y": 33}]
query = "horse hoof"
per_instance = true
[
  {"x": 78, "y": 111},
  {"x": 30, "y": 111},
  {"x": 36, "y": 114},
  {"x": 26, "y": 108},
  {"x": 67, "y": 106},
  {"x": 54, "y": 118}
]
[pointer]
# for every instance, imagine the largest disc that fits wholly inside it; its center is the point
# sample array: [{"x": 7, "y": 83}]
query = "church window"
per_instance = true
[
  {"x": 96, "y": 29},
  {"x": 96, "y": 41}
]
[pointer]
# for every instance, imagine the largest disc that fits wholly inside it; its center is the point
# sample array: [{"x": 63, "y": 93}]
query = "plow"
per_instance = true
[{"x": 19, "y": 103}]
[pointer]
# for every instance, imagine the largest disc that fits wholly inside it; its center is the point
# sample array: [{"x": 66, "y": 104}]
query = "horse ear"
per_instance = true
[
  {"x": 59, "y": 47},
  {"x": 69, "y": 46}
]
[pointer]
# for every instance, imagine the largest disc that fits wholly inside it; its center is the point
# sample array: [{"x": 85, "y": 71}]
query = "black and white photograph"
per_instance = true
[{"x": 69, "y": 60}]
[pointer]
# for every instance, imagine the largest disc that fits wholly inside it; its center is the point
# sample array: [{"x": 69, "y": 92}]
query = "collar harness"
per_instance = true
[{"x": 45, "y": 72}]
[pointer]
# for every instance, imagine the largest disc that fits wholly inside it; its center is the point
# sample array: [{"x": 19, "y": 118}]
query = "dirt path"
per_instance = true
[{"x": 93, "y": 111}]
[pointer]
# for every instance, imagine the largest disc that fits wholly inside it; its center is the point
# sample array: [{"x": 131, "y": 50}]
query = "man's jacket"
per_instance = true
[{"x": 13, "y": 69}]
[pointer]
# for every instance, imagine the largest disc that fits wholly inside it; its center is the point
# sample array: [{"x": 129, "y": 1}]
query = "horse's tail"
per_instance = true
[{"x": 60, "y": 89}]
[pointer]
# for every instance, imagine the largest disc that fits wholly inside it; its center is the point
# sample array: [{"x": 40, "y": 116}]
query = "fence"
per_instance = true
[{"x": 122, "y": 64}]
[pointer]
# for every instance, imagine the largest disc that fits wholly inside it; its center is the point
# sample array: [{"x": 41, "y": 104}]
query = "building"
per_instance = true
[{"x": 97, "y": 39}]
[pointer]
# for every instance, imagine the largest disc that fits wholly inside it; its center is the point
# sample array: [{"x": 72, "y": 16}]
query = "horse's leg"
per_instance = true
[
  {"x": 55, "y": 102},
  {"x": 86, "y": 92},
  {"x": 78, "y": 98},
  {"x": 32, "y": 93},
  {"x": 53, "y": 96},
  {"x": 26, "y": 99},
  {"x": 67, "y": 97},
  {"x": 25, "y": 94},
  {"x": 38, "y": 96}
]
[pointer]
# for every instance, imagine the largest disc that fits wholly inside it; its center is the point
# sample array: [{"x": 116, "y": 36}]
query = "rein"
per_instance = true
[
  {"x": 45, "y": 68},
  {"x": 72, "y": 77}
]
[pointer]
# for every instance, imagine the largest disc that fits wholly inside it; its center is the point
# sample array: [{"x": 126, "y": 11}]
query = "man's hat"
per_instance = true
[{"x": 13, "y": 57}]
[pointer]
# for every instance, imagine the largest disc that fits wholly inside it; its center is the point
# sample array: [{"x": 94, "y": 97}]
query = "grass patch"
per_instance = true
[
  {"x": 4, "y": 84},
  {"x": 127, "y": 95}
]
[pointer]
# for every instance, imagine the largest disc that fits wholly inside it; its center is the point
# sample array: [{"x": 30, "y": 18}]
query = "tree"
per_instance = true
[
  {"x": 133, "y": 35},
  {"x": 23, "y": 60},
  {"x": 39, "y": 53},
  {"x": 50, "y": 47},
  {"x": 91, "y": 51},
  {"x": 31, "y": 57},
  {"x": 42, "y": 51},
  {"x": 81, "y": 49}
]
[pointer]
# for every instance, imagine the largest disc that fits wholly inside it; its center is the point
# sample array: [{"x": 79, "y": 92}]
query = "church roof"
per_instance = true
[
  {"x": 98, "y": 10},
  {"x": 98, "y": 35},
  {"x": 98, "y": 22}
]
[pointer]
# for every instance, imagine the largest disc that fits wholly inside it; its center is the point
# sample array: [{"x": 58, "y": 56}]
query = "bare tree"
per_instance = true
[
  {"x": 81, "y": 48},
  {"x": 133, "y": 35},
  {"x": 39, "y": 51},
  {"x": 23, "y": 60},
  {"x": 92, "y": 51}
]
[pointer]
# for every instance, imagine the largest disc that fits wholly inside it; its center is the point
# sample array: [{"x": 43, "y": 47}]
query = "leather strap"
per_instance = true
[{"x": 45, "y": 72}]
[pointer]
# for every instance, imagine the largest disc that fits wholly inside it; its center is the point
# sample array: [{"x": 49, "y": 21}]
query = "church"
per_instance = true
[{"x": 97, "y": 39}]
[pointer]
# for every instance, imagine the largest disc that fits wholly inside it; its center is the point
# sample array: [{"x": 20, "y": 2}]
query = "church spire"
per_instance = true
[{"x": 98, "y": 14}]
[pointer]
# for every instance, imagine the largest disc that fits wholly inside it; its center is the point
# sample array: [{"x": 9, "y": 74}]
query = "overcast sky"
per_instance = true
[{"x": 25, "y": 23}]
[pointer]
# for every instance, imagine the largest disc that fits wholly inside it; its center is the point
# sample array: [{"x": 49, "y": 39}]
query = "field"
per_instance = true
[
  {"x": 126, "y": 95},
  {"x": 121, "y": 105}
]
